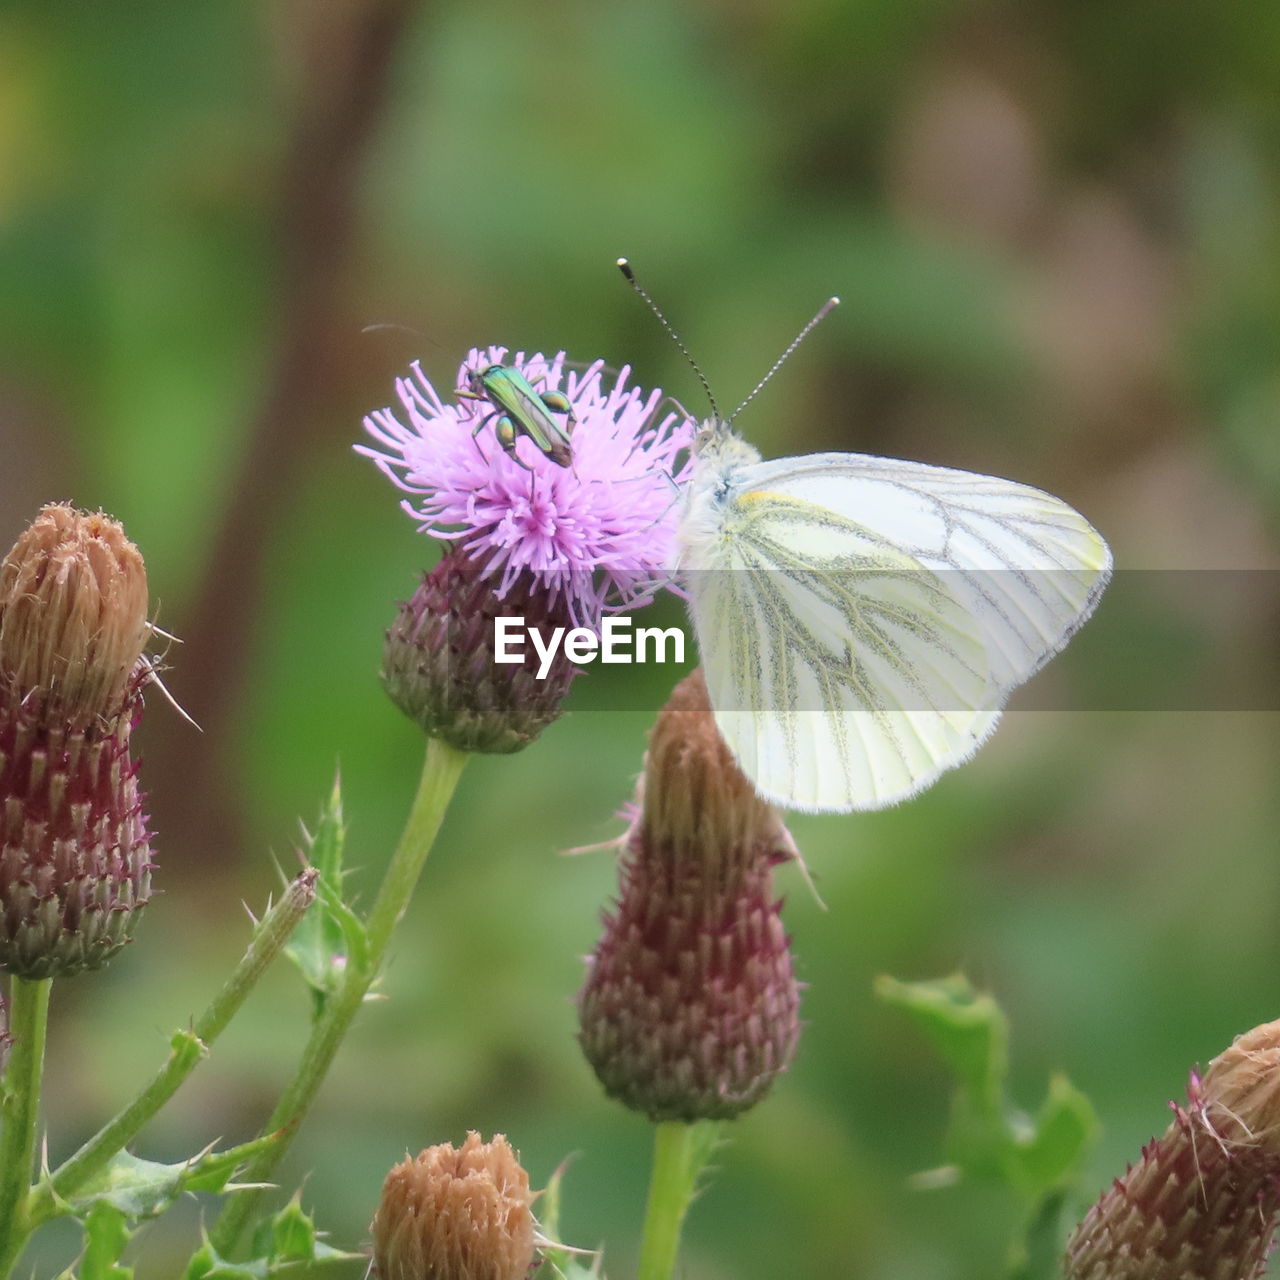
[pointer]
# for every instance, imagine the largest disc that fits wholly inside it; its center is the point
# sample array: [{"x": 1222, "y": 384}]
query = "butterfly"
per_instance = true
[{"x": 862, "y": 621}]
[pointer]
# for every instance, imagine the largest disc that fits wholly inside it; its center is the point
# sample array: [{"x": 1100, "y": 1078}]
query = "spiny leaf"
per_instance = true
[
  {"x": 106, "y": 1235},
  {"x": 287, "y": 1244},
  {"x": 293, "y": 1233},
  {"x": 140, "y": 1188},
  {"x": 330, "y": 936},
  {"x": 207, "y": 1265},
  {"x": 561, "y": 1262}
]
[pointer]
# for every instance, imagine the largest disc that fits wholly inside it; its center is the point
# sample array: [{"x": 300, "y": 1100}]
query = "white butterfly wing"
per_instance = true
[
  {"x": 1027, "y": 566},
  {"x": 861, "y": 620},
  {"x": 843, "y": 672}
]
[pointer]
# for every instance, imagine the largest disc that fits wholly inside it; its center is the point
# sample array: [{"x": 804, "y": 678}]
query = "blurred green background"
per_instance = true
[{"x": 1055, "y": 229}]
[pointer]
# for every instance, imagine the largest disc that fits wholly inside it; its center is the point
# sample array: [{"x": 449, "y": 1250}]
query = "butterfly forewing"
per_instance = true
[{"x": 1025, "y": 565}]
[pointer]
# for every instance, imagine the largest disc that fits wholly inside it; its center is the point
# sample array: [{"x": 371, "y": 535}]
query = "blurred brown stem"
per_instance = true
[{"x": 345, "y": 70}]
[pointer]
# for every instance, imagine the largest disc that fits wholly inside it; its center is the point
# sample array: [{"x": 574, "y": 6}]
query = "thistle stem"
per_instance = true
[
  {"x": 28, "y": 1022},
  {"x": 440, "y": 774},
  {"x": 680, "y": 1153},
  {"x": 189, "y": 1046}
]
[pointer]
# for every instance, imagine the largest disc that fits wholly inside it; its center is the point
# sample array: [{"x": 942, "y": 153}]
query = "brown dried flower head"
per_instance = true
[
  {"x": 456, "y": 1214},
  {"x": 75, "y": 855},
  {"x": 73, "y": 615},
  {"x": 690, "y": 1007},
  {"x": 1202, "y": 1202}
]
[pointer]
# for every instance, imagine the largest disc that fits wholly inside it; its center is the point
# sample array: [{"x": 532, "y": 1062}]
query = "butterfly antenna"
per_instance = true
[
  {"x": 625, "y": 267},
  {"x": 823, "y": 312}
]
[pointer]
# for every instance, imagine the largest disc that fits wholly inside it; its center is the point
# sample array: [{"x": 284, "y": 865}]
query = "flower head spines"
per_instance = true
[
  {"x": 594, "y": 536},
  {"x": 439, "y": 665},
  {"x": 75, "y": 853},
  {"x": 690, "y": 1006},
  {"x": 456, "y": 1214},
  {"x": 1202, "y": 1202}
]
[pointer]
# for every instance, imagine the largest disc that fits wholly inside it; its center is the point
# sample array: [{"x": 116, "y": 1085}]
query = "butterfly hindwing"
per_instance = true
[{"x": 844, "y": 673}]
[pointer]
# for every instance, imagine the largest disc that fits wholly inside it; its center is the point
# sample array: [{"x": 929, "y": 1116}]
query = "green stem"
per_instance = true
[
  {"x": 440, "y": 773},
  {"x": 28, "y": 1022},
  {"x": 680, "y": 1153},
  {"x": 189, "y": 1046}
]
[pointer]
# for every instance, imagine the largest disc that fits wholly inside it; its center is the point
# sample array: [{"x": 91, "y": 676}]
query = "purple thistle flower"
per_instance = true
[{"x": 596, "y": 536}]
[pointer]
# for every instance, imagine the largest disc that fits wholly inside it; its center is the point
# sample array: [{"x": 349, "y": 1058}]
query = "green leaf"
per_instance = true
[
  {"x": 989, "y": 1138},
  {"x": 549, "y": 1205},
  {"x": 293, "y": 1233},
  {"x": 562, "y": 1262},
  {"x": 967, "y": 1028},
  {"x": 107, "y": 1233},
  {"x": 288, "y": 1244},
  {"x": 207, "y": 1265},
  {"x": 1063, "y": 1132},
  {"x": 139, "y": 1188},
  {"x": 330, "y": 935},
  {"x": 325, "y": 1253}
]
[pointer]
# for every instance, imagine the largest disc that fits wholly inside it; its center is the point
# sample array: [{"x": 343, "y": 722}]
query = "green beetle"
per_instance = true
[{"x": 519, "y": 409}]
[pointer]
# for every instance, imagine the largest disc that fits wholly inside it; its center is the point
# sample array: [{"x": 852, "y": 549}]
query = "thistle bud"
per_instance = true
[
  {"x": 689, "y": 1011},
  {"x": 440, "y": 664},
  {"x": 1201, "y": 1203},
  {"x": 75, "y": 857},
  {"x": 456, "y": 1215}
]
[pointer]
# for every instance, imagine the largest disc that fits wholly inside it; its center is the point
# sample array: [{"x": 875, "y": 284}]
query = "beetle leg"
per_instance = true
[
  {"x": 475, "y": 433},
  {"x": 507, "y": 437},
  {"x": 558, "y": 403}
]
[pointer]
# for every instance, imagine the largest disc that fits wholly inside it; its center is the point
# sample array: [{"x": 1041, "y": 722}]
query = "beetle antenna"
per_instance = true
[
  {"x": 823, "y": 312},
  {"x": 625, "y": 267}
]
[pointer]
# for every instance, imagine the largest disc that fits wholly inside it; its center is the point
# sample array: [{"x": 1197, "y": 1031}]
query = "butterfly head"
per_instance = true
[{"x": 716, "y": 442}]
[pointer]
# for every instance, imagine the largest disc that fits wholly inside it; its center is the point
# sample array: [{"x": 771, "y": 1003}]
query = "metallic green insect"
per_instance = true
[{"x": 520, "y": 410}]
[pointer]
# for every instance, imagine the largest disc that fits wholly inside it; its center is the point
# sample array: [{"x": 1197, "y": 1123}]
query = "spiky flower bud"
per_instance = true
[
  {"x": 75, "y": 857},
  {"x": 440, "y": 665},
  {"x": 459, "y": 1214},
  {"x": 1201, "y": 1203},
  {"x": 689, "y": 1010}
]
